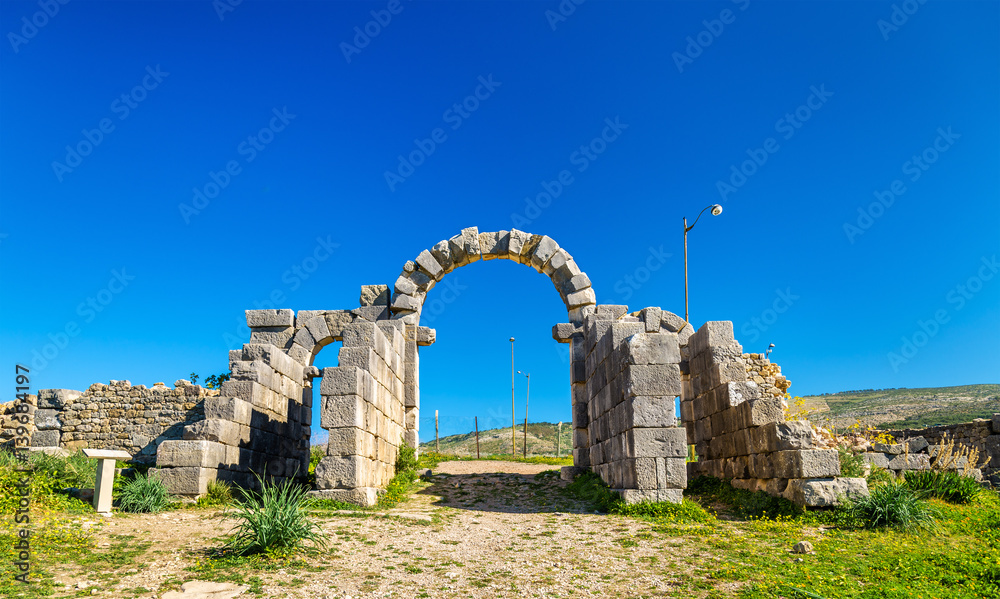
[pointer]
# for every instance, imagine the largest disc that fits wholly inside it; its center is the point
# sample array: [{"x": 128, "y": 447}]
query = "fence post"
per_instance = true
[
  {"x": 437, "y": 441},
  {"x": 558, "y": 439},
  {"x": 477, "y": 436}
]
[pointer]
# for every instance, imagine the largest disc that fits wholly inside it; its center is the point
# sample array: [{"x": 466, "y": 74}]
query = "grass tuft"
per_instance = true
[
  {"x": 273, "y": 521},
  {"x": 143, "y": 495},
  {"x": 889, "y": 505}
]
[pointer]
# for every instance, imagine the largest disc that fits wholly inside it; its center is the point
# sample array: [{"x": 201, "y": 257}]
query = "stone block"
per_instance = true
[
  {"x": 338, "y": 411},
  {"x": 584, "y": 297},
  {"x": 188, "y": 481},
  {"x": 824, "y": 492},
  {"x": 919, "y": 461},
  {"x": 650, "y": 411},
  {"x": 203, "y": 454},
  {"x": 644, "y": 472},
  {"x": 405, "y": 303},
  {"x": 730, "y": 395},
  {"x": 426, "y": 261},
  {"x": 362, "y": 496},
  {"x": 652, "y": 495},
  {"x": 56, "y": 398},
  {"x": 760, "y": 412},
  {"x": 342, "y": 380},
  {"x": 335, "y": 472},
  {"x": 464, "y": 247},
  {"x": 270, "y": 318},
  {"x": 786, "y": 436},
  {"x": 226, "y": 432},
  {"x": 233, "y": 409},
  {"x": 671, "y": 473},
  {"x": 671, "y": 321},
  {"x": 494, "y": 244},
  {"x": 374, "y": 295},
  {"x": 49, "y": 438},
  {"x": 656, "y": 443},
  {"x": 653, "y": 348},
  {"x": 809, "y": 463},
  {"x": 877, "y": 459},
  {"x": 891, "y": 448},
  {"x": 543, "y": 252},
  {"x": 651, "y": 379},
  {"x": 916, "y": 444},
  {"x": 47, "y": 419},
  {"x": 994, "y": 423}
]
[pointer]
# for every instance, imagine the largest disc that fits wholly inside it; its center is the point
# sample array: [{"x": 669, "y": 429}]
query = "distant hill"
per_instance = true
[
  {"x": 905, "y": 408},
  {"x": 541, "y": 441}
]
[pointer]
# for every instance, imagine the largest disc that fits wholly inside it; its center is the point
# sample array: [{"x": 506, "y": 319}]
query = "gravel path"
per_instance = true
[{"x": 477, "y": 529}]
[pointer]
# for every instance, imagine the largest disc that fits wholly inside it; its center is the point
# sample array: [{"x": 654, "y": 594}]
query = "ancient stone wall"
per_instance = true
[
  {"x": 980, "y": 434},
  {"x": 117, "y": 415},
  {"x": 740, "y": 433},
  {"x": 363, "y": 410},
  {"x": 623, "y": 400}
]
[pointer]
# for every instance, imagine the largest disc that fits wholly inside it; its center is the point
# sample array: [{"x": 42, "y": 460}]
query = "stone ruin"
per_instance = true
[{"x": 627, "y": 370}]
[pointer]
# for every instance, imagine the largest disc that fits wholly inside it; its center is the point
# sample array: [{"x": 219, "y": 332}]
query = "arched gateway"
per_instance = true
[{"x": 626, "y": 372}]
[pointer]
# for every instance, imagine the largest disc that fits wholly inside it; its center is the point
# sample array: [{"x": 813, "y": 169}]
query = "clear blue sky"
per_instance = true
[{"x": 845, "y": 100}]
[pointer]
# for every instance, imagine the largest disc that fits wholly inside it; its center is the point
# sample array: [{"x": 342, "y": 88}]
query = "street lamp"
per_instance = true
[
  {"x": 716, "y": 211},
  {"x": 770, "y": 348},
  {"x": 513, "y": 422},
  {"x": 527, "y": 398}
]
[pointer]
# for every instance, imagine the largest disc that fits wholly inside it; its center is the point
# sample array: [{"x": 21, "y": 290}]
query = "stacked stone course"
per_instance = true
[
  {"x": 626, "y": 379},
  {"x": 363, "y": 410},
  {"x": 767, "y": 375},
  {"x": 740, "y": 433},
  {"x": 980, "y": 434}
]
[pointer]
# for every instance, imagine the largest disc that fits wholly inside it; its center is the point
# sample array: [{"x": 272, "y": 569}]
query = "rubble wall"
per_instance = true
[
  {"x": 980, "y": 434},
  {"x": 740, "y": 433}
]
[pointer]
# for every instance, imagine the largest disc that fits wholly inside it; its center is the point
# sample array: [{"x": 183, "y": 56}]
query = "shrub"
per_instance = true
[
  {"x": 879, "y": 476},
  {"x": 406, "y": 458},
  {"x": 219, "y": 492},
  {"x": 892, "y": 505},
  {"x": 947, "y": 485},
  {"x": 142, "y": 495},
  {"x": 316, "y": 454},
  {"x": 274, "y": 520},
  {"x": 851, "y": 464},
  {"x": 75, "y": 470}
]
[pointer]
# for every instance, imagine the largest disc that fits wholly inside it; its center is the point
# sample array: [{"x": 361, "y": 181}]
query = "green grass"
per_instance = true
[
  {"x": 430, "y": 459},
  {"x": 946, "y": 485},
  {"x": 273, "y": 521},
  {"x": 541, "y": 441},
  {"x": 143, "y": 495},
  {"x": 890, "y": 505}
]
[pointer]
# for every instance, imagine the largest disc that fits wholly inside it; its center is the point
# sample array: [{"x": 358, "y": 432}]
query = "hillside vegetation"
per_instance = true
[
  {"x": 541, "y": 441},
  {"x": 905, "y": 408}
]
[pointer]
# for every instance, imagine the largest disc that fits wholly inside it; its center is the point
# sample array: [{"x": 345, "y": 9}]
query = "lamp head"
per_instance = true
[
  {"x": 770, "y": 346},
  {"x": 512, "y": 340},
  {"x": 716, "y": 209}
]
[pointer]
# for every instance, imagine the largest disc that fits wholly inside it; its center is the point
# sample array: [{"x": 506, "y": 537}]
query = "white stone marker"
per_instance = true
[{"x": 105, "y": 475}]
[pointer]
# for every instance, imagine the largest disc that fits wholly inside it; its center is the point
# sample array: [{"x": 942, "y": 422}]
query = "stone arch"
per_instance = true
[{"x": 540, "y": 252}]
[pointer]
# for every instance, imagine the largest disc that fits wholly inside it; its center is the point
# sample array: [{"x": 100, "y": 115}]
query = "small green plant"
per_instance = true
[
  {"x": 851, "y": 464},
  {"x": 273, "y": 520},
  {"x": 219, "y": 492},
  {"x": 589, "y": 487},
  {"x": 879, "y": 476},
  {"x": 316, "y": 454},
  {"x": 143, "y": 495},
  {"x": 947, "y": 485},
  {"x": 215, "y": 381},
  {"x": 746, "y": 504},
  {"x": 890, "y": 505}
]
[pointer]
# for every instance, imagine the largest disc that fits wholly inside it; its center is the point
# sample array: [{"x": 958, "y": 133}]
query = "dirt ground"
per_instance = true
[{"x": 477, "y": 529}]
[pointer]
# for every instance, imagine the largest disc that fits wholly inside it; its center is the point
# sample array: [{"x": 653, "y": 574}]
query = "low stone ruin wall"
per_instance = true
[
  {"x": 740, "y": 433},
  {"x": 117, "y": 415},
  {"x": 980, "y": 434},
  {"x": 767, "y": 375},
  {"x": 362, "y": 408}
]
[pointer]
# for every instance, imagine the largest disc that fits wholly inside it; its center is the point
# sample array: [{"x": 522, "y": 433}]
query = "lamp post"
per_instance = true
[
  {"x": 716, "y": 211},
  {"x": 770, "y": 348},
  {"x": 527, "y": 398},
  {"x": 513, "y": 422}
]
